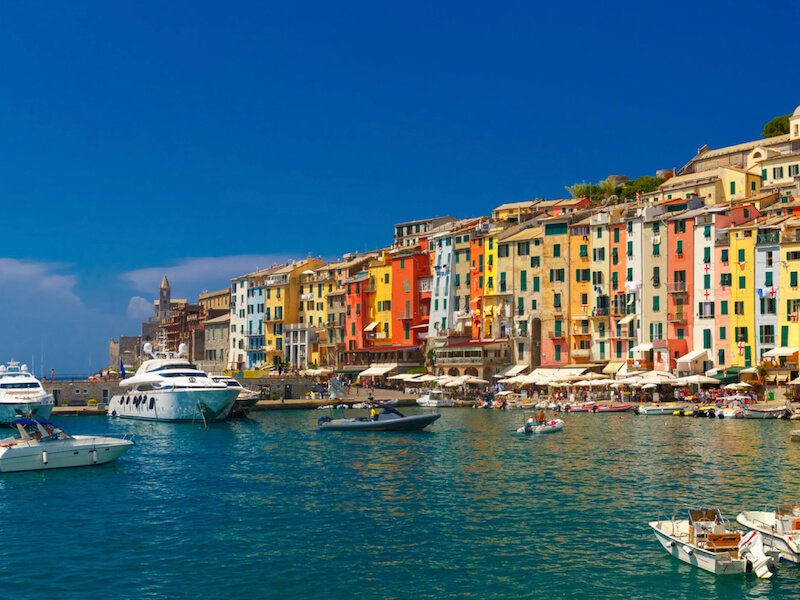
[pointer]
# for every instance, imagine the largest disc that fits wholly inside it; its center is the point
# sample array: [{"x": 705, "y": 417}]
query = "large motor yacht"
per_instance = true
[
  {"x": 168, "y": 387},
  {"x": 22, "y": 395}
]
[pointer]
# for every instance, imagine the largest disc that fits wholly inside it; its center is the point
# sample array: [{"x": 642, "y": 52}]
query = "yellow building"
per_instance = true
[
  {"x": 519, "y": 264},
  {"x": 380, "y": 312},
  {"x": 580, "y": 291},
  {"x": 496, "y": 290},
  {"x": 716, "y": 186},
  {"x": 554, "y": 305},
  {"x": 282, "y": 305},
  {"x": 742, "y": 297}
]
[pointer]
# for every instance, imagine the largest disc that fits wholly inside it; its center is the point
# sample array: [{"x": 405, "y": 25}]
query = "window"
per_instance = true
[
  {"x": 656, "y": 276},
  {"x": 656, "y": 249},
  {"x": 724, "y": 255},
  {"x": 406, "y": 286},
  {"x": 707, "y": 282},
  {"x": 769, "y": 259},
  {"x": 502, "y": 250},
  {"x": 742, "y": 282},
  {"x": 707, "y": 232},
  {"x": 738, "y": 308},
  {"x": 523, "y": 248},
  {"x": 599, "y": 233},
  {"x": 725, "y": 279},
  {"x": 556, "y": 300},
  {"x": 794, "y": 170},
  {"x": 768, "y": 279},
  {"x": 679, "y": 226},
  {"x": 616, "y": 235},
  {"x": 740, "y": 333},
  {"x": 740, "y": 254},
  {"x": 777, "y": 172},
  {"x": 535, "y": 262},
  {"x": 535, "y": 284},
  {"x": 629, "y": 250},
  {"x": 733, "y": 188},
  {"x": 556, "y": 250},
  {"x": 523, "y": 281},
  {"x": 557, "y": 351},
  {"x": 723, "y": 307},
  {"x": 584, "y": 250},
  {"x": 769, "y": 306},
  {"x": 706, "y": 255},
  {"x": 720, "y": 357},
  {"x": 656, "y": 303},
  {"x": 793, "y": 279},
  {"x": 722, "y": 333},
  {"x": 679, "y": 249},
  {"x": 458, "y": 279},
  {"x": 707, "y": 339}
]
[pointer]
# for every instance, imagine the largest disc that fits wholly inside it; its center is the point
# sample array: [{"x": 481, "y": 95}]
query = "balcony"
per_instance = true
[
  {"x": 455, "y": 360},
  {"x": 676, "y": 287},
  {"x": 623, "y": 335},
  {"x": 580, "y": 352},
  {"x": 556, "y": 334},
  {"x": 520, "y": 334},
  {"x": 598, "y": 313},
  {"x": 586, "y": 332},
  {"x": 768, "y": 238},
  {"x": 705, "y": 315},
  {"x": 676, "y": 317},
  {"x": 304, "y": 297},
  {"x": 273, "y": 318},
  {"x": 558, "y": 310}
]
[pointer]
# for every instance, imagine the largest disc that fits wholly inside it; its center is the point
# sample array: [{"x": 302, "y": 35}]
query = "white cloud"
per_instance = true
[
  {"x": 200, "y": 273},
  {"x": 139, "y": 308},
  {"x": 31, "y": 276}
]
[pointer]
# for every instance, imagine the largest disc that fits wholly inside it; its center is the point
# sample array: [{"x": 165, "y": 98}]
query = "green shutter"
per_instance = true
[
  {"x": 768, "y": 279},
  {"x": 741, "y": 255},
  {"x": 723, "y": 307},
  {"x": 706, "y": 255},
  {"x": 723, "y": 333},
  {"x": 784, "y": 335},
  {"x": 733, "y": 188},
  {"x": 535, "y": 284},
  {"x": 523, "y": 281},
  {"x": 680, "y": 247},
  {"x": 707, "y": 339},
  {"x": 656, "y": 303},
  {"x": 724, "y": 255},
  {"x": 793, "y": 279}
]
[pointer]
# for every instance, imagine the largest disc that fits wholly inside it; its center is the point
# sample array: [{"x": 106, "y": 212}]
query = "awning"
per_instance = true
[
  {"x": 692, "y": 356},
  {"x": 777, "y": 352},
  {"x": 511, "y": 371},
  {"x": 646, "y": 347},
  {"x": 613, "y": 367},
  {"x": 371, "y": 326},
  {"x": 349, "y": 369},
  {"x": 423, "y": 326},
  {"x": 627, "y": 319},
  {"x": 782, "y": 378},
  {"x": 378, "y": 370},
  {"x": 769, "y": 379}
]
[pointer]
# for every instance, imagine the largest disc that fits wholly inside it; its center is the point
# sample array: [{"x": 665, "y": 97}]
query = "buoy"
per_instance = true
[
  {"x": 672, "y": 544},
  {"x": 44, "y": 456},
  {"x": 688, "y": 550},
  {"x": 94, "y": 455}
]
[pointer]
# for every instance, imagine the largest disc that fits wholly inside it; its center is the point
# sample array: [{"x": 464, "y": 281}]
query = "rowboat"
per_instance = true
[
  {"x": 703, "y": 541},
  {"x": 600, "y": 408},
  {"x": 659, "y": 409},
  {"x": 764, "y": 411}
]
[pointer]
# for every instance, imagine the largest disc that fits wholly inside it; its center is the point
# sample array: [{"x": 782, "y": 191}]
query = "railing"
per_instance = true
[
  {"x": 580, "y": 352},
  {"x": 583, "y": 331},
  {"x": 768, "y": 238},
  {"x": 519, "y": 334},
  {"x": 309, "y": 296},
  {"x": 556, "y": 334},
  {"x": 676, "y": 287},
  {"x": 677, "y": 317},
  {"x": 705, "y": 315},
  {"x": 451, "y": 360},
  {"x": 598, "y": 312},
  {"x": 381, "y": 335}
]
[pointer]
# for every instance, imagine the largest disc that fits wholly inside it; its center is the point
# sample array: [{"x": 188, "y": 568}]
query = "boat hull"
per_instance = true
[
  {"x": 551, "y": 427},
  {"x": 771, "y": 413},
  {"x": 35, "y": 408},
  {"x": 660, "y": 410},
  {"x": 410, "y": 423},
  {"x": 82, "y": 451},
  {"x": 174, "y": 405},
  {"x": 719, "y": 564}
]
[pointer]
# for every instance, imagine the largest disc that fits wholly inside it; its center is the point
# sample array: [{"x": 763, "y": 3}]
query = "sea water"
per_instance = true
[{"x": 272, "y": 508}]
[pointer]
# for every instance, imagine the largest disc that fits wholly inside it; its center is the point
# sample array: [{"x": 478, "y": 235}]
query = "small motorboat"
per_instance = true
[
  {"x": 435, "y": 399},
  {"x": 764, "y": 411},
  {"x": 246, "y": 400},
  {"x": 660, "y": 409},
  {"x": 389, "y": 419},
  {"x": 550, "y": 426},
  {"x": 730, "y": 412},
  {"x": 613, "y": 408},
  {"x": 704, "y": 541},
  {"x": 41, "y": 445},
  {"x": 780, "y": 529}
]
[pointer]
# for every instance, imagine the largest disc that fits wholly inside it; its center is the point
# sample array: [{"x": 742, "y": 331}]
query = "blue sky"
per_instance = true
[{"x": 202, "y": 140}]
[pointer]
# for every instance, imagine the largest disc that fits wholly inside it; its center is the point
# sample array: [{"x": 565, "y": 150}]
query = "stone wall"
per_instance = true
[{"x": 78, "y": 393}]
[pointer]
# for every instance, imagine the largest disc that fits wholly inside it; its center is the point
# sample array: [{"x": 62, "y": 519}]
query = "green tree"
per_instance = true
[
  {"x": 641, "y": 185},
  {"x": 777, "y": 126},
  {"x": 608, "y": 188}
]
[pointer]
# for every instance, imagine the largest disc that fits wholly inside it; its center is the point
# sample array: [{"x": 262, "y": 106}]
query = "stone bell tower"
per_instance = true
[{"x": 164, "y": 299}]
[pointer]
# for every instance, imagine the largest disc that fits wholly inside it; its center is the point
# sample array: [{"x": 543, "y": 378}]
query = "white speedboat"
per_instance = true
[
  {"x": 780, "y": 528},
  {"x": 550, "y": 426},
  {"x": 246, "y": 400},
  {"x": 660, "y": 409},
  {"x": 703, "y": 541},
  {"x": 435, "y": 399},
  {"x": 41, "y": 445},
  {"x": 22, "y": 395},
  {"x": 170, "y": 388}
]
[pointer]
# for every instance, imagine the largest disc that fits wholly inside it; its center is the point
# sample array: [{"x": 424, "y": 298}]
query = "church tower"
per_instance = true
[{"x": 164, "y": 299}]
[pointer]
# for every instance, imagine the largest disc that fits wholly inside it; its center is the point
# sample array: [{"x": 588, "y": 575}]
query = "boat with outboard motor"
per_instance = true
[
  {"x": 245, "y": 401},
  {"x": 170, "y": 388},
  {"x": 39, "y": 444},
  {"x": 668, "y": 408},
  {"x": 435, "y": 399},
  {"x": 388, "y": 419},
  {"x": 780, "y": 528},
  {"x": 22, "y": 395},
  {"x": 600, "y": 408},
  {"x": 764, "y": 411},
  {"x": 703, "y": 540},
  {"x": 551, "y": 426}
]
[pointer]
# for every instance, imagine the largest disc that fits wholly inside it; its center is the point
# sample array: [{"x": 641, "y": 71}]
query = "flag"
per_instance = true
[{"x": 121, "y": 369}]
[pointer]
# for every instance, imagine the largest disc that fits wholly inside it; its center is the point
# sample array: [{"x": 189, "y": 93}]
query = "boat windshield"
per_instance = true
[
  {"x": 21, "y": 385},
  {"x": 704, "y": 514},
  {"x": 184, "y": 374},
  {"x": 39, "y": 430},
  {"x": 186, "y": 365}
]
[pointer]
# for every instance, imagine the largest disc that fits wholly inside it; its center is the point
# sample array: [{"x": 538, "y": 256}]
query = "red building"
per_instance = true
[{"x": 411, "y": 295}]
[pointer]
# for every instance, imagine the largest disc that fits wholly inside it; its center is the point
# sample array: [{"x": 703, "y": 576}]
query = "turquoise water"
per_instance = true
[{"x": 271, "y": 508}]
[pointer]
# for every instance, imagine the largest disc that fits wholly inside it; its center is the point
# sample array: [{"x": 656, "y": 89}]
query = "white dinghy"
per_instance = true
[{"x": 550, "y": 426}]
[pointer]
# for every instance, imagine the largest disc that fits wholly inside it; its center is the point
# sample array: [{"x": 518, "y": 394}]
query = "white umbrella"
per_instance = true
[
  {"x": 743, "y": 385},
  {"x": 475, "y": 380},
  {"x": 649, "y": 386},
  {"x": 731, "y": 386}
]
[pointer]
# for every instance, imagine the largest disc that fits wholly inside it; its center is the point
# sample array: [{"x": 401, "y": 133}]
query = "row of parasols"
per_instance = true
[
  {"x": 648, "y": 380},
  {"x": 442, "y": 380}
]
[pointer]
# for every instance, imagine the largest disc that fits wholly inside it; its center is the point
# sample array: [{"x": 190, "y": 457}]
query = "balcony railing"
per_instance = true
[
  {"x": 451, "y": 360},
  {"x": 580, "y": 352},
  {"x": 768, "y": 238},
  {"x": 705, "y": 315},
  {"x": 676, "y": 317},
  {"x": 556, "y": 334},
  {"x": 598, "y": 312},
  {"x": 676, "y": 287}
]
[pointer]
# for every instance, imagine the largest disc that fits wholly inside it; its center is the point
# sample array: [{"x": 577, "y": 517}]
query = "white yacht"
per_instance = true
[
  {"x": 170, "y": 388},
  {"x": 246, "y": 400},
  {"x": 41, "y": 445},
  {"x": 22, "y": 395}
]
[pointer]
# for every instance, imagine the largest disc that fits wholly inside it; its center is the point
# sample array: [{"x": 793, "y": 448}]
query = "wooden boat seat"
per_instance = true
[{"x": 723, "y": 542}]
